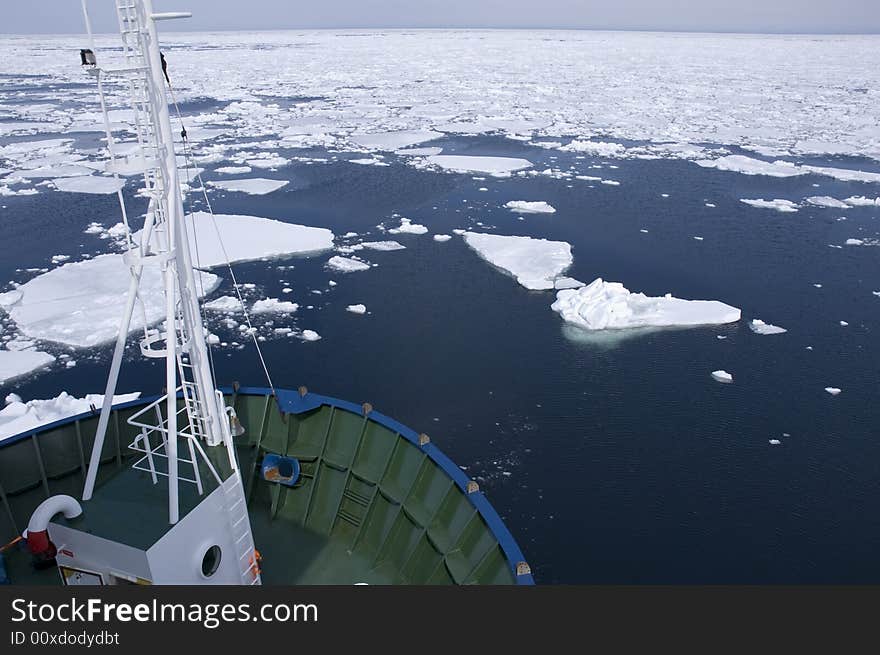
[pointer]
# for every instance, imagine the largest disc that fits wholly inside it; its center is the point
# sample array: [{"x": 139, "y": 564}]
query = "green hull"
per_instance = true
[{"x": 375, "y": 502}]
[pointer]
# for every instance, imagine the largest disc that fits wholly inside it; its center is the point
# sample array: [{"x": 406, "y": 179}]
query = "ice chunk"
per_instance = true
[
  {"x": 722, "y": 376},
  {"x": 609, "y": 305},
  {"x": 357, "y": 309},
  {"x": 760, "y": 327},
  {"x": 408, "y": 227},
  {"x": 20, "y": 362},
  {"x": 777, "y": 204},
  {"x": 535, "y": 263},
  {"x": 347, "y": 264},
  {"x": 855, "y": 242},
  {"x": 442, "y": 237},
  {"x": 469, "y": 164},
  {"x": 595, "y": 148},
  {"x": 775, "y": 442},
  {"x": 833, "y": 390},
  {"x": 310, "y": 335},
  {"x": 18, "y": 417},
  {"x": 567, "y": 283},
  {"x": 527, "y": 207},
  {"x": 249, "y": 238},
  {"x": 274, "y": 306},
  {"x": 89, "y": 184},
  {"x": 255, "y": 186}
]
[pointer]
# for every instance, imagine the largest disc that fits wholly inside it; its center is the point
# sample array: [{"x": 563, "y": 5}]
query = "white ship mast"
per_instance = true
[{"x": 204, "y": 419}]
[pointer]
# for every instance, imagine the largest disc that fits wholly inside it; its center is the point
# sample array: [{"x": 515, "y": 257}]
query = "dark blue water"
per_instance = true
[{"x": 612, "y": 460}]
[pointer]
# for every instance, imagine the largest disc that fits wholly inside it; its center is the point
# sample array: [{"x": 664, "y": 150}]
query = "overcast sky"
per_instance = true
[{"x": 813, "y": 16}]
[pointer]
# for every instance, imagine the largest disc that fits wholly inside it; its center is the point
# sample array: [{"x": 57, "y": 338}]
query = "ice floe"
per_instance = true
[
  {"x": 393, "y": 140},
  {"x": 862, "y": 201},
  {"x": 780, "y": 205},
  {"x": 528, "y": 207},
  {"x": 442, "y": 238},
  {"x": 226, "y": 304},
  {"x": 760, "y": 327},
  {"x": 357, "y": 309},
  {"x": 385, "y": 246},
  {"x": 256, "y": 186},
  {"x": 81, "y": 303},
  {"x": 248, "y": 238},
  {"x": 408, "y": 227},
  {"x": 833, "y": 390},
  {"x": 274, "y": 306},
  {"x": 843, "y": 174},
  {"x": 14, "y": 363},
  {"x": 827, "y": 201},
  {"x": 596, "y": 148},
  {"x": 310, "y": 335},
  {"x": 604, "y": 305},
  {"x": 18, "y": 416},
  {"x": 346, "y": 264},
  {"x": 722, "y": 376},
  {"x": 535, "y": 263},
  {"x": 89, "y": 184},
  {"x": 471, "y": 164},
  {"x": 751, "y": 166}
]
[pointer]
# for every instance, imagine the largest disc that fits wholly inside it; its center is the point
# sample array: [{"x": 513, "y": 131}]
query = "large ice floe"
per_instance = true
[
  {"x": 470, "y": 164},
  {"x": 89, "y": 184},
  {"x": 81, "y": 303},
  {"x": 14, "y": 363},
  {"x": 603, "y": 305},
  {"x": 18, "y": 416},
  {"x": 535, "y": 263},
  {"x": 255, "y": 186},
  {"x": 248, "y": 238}
]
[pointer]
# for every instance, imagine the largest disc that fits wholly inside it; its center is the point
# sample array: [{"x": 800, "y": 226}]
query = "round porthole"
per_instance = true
[{"x": 211, "y": 561}]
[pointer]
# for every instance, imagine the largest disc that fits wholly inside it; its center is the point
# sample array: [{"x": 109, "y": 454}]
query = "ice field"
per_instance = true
[{"x": 564, "y": 255}]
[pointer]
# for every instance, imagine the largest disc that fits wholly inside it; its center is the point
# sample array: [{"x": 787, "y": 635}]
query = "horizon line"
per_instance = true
[{"x": 648, "y": 30}]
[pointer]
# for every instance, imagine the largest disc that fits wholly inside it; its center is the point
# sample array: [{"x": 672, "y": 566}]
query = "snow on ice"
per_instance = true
[{"x": 18, "y": 416}]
